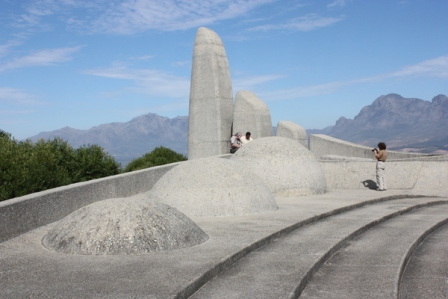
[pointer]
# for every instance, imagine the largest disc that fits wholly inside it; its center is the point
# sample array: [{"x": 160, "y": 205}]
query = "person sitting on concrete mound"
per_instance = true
[{"x": 235, "y": 142}]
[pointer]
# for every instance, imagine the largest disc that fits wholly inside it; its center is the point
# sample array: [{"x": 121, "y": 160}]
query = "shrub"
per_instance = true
[
  {"x": 159, "y": 156},
  {"x": 27, "y": 167}
]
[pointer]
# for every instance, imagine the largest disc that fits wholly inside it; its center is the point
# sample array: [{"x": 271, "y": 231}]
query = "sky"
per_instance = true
[{"x": 82, "y": 63}]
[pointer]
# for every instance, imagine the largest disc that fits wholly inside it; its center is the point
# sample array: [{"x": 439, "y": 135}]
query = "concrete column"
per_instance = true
[
  {"x": 292, "y": 130},
  {"x": 250, "y": 114},
  {"x": 211, "y": 97}
]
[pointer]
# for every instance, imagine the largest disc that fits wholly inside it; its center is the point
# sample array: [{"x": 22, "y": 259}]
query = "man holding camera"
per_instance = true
[{"x": 381, "y": 156}]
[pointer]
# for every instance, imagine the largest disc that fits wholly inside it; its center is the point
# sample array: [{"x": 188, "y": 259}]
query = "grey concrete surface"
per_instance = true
[
  {"x": 28, "y": 269},
  {"x": 213, "y": 187},
  {"x": 426, "y": 274},
  {"x": 123, "y": 226},
  {"x": 250, "y": 114},
  {"x": 293, "y": 131},
  {"x": 285, "y": 166},
  {"x": 322, "y": 145},
  {"x": 211, "y": 97},
  {"x": 283, "y": 267},
  {"x": 370, "y": 266},
  {"x": 21, "y": 214},
  {"x": 400, "y": 174}
]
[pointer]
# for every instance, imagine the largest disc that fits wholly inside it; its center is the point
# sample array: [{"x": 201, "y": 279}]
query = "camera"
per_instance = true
[{"x": 375, "y": 150}]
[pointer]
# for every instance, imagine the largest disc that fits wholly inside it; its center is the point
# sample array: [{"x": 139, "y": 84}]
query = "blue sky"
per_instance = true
[{"x": 82, "y": 63}]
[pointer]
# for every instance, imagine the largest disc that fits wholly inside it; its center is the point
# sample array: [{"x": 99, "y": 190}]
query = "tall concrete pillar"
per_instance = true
[
  {"x": 250, "y": 114},
  {"x": 211, "y": 97},
  {"x": 292, "y": 130}
]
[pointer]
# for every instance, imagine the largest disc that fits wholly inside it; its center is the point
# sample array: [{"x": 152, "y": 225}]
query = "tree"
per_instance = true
[
  {"x": 92, "y": 163},
  {"x": 159, "y": 156},
  {"x": 27, "y": 167}
]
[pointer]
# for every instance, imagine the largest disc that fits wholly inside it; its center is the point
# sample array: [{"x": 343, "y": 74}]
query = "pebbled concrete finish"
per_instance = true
[
  {"x": 322, "y": 145},
  {"x": 293, "y": 131},
  {"x": 213, "y": 187},
  {"x": 21, "y": 214},
  {"x": 425, "y": 276},
  {"x": 250, "y": 114},
  {"x": 286, "y": 166},
  {"x": 211, "y": 97},
  {"x": 29, "y": 270},
  {"x": 123, "y": 226},
  {"x": 370, "y": 265}
]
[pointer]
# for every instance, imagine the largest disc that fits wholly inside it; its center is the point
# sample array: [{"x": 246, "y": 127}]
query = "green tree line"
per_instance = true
[{"x": 27, "y": 167}]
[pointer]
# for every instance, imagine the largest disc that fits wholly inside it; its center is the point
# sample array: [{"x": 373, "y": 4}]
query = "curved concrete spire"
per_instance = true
[
  {"x": 251, "y": 114},
  {"x": 211, "y": 100}
]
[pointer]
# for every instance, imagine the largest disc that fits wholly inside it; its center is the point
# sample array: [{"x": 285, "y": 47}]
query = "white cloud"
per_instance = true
[
  {"x": 5, "y": 48},
  {"x": 306, "y": 23},
  {"x": 131, "y": 16},
  {"x": 155, "y": 83},
  {"x": 436, "y": 68},
  {"x": 41, "y": 58},
  {"x": 251, "y": 82},
  {"x": 16, "y": 96},
  {"x": 432, "y": 68},
  {"x": 338, "y": 3}
]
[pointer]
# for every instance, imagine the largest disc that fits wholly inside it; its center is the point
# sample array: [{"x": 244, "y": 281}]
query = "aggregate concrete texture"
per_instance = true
[
  {"x": 322, "y": 145},
  {"x": 250, "y": 114},
  {"x": 211, "y": 97},
  {"x": 286, "y": 166},
  {"x": 123, "y": 226},
  {"x": 293, "y": 131},
  {"x": 213, "y": 187},
  {"x": 29, "y": 270}
]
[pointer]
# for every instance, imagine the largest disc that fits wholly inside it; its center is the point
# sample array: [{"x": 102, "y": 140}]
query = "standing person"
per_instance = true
[
  {"x": 235, "y": 142},
  {"x": 381, "y": 156},
  {"x": 246, "y": 139}
]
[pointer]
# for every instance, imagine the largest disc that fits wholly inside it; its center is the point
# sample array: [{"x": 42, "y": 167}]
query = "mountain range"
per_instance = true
[{"x": 406, "y": 124}]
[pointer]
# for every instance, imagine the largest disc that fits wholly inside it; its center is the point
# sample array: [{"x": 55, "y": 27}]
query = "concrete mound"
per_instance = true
[
  {"x": 123, "y": 226},
  {"x": 213, "y": 187},
  {"x": 286, "y": 166}
]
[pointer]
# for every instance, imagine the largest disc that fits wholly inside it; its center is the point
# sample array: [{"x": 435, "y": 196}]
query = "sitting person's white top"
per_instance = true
[{"x": 246, "y": 139}]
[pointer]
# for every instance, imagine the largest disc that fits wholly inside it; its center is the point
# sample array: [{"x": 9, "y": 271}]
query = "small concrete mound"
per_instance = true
[
  {"x": 286, "y": 166},
  {"x": 213, "y": 187},
  {"x": 121, "y": 226}
]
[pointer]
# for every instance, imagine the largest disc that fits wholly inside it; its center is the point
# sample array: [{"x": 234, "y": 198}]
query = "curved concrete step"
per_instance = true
[
  {"x": 426, "y": 274},
  {"x": 371, "y": 265},
  {"x": 282, "y": 268}
]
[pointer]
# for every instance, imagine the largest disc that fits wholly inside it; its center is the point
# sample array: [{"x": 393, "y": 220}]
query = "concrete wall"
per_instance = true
[
  {"x": 21, "y": 214},
  {"x": 400, "y": 174},
  {"x": 322, "y": 145}
]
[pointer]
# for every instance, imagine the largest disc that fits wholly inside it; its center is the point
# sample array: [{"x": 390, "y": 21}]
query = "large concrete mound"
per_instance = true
[
  {"x": 286, "y": 166},
  {"x": 213, "y": 187},
  {"x": 123, "y": 226},
  {"x": 211, "y": 97}
]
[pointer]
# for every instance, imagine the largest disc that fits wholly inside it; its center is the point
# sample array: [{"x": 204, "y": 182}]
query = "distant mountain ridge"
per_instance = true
[
  {"x": 403, "y": 123},
  {"x": 407, "y": 124},
  {"x": 129, "y": 140}
]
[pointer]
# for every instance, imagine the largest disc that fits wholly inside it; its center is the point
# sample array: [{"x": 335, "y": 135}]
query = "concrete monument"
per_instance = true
[
  {"x": 123, "y": 226},
  {"x": 251, "y": 114},
  {"x": 213, "y": 187},
  {"x": 293, "y": 131},
  {"x": 287, "y": 167},
  {"x": 211, "y": 97}
]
